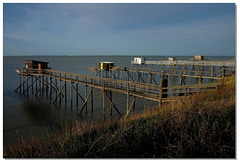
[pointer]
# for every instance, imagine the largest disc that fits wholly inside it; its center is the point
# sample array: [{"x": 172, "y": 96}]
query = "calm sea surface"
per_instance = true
[{"x": 24, "y": 116}]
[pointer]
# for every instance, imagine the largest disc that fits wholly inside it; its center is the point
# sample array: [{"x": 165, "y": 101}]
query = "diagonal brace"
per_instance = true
[
  {"x": 22, "y": 84},
  {"x": 78, "y": 93},
  {"x": 86, "y": 100},
  {"x": 112, "y": 103},
  {"x": 128, "y": 111},
  {"x": 59, "y": 92}
]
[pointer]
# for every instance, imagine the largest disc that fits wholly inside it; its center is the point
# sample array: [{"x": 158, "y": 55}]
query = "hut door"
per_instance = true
[{"x": 39, "y": 68}]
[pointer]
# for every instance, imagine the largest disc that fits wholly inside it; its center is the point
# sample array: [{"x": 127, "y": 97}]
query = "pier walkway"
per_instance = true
[{"x": 57, "y": 81}]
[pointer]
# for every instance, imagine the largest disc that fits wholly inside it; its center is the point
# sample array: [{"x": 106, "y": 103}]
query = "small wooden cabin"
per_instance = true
[
  {"x": 106, "y": 65},
  {"x": 32, "y": 64},
  {"x": 139, "y": 60},
  {"x": 198, "y": 57},
  {"x": 171, "y": 59}
]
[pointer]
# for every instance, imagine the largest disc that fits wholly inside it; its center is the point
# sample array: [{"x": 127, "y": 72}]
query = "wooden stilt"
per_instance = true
[
  {"x": 77, "y": 91},
  {"x": 92, "y": 99},
  {"x": 24, "y": 83},
  {"x": 71, "y": 89},
  {"x": 127, "y": 97},
  {"x": 103, "y": 96},
  {"x": 65, "y": 89},
  {"x": 133, "y": 103},
  {"x": 46, "y": 87},
  {"x": 59, "y": 93},
  {"x": 36, "y": 86},
  {"x": 42, "y": 85},
  {"x": 110, "y": 94},
  {"x": 160, "y": 91},
  {"x": 112, "y": 103},
  {"x": 60, "y": 87},
  {"x": 56, "y": 83},
  {"x": 20, "y": 83},
  {"x": 28, "y": 87},
  {"x": 85, "y": 92},
  {"x": 50, "y": 88},
  {"x": 86, "y": 101},
  {"x": 32, "y": 84}
]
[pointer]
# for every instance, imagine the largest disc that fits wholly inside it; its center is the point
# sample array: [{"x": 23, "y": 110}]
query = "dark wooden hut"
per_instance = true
[{"x": 32, "y": 64}]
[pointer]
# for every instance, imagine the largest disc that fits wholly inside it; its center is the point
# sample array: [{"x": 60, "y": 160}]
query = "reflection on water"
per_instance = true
[{"x": 35, "y": 110}]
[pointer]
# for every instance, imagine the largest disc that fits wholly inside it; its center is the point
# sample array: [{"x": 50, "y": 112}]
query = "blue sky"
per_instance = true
[{"x": 119, "y": 29}]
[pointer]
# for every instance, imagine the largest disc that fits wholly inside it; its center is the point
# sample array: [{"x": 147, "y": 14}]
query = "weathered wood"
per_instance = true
[
  {"x": 60, "y": 87},
  {"x": 28, "y": 87},
  {"x": 86, "y": 101},
  {"x": 65, "y": 89},
  {"x": 112, "y": 103},
  {"x": 130, "y": 88},
  {"x": 92, "y": 99},
  {"x": 132, "y": 104},
  {"x": 76, "y": 91},
  {"x": 127, "y": 96},
  {"x": 110, "y": 94},
  {"x": 86, "y": 92},
  {"x": 32, "y": 83},
  {"x": 160, "y": 91},
  {"x": 21, "y": 85},
  {"x": 71, "y": 89},
  {"x": 59, "y": 93},
  {"x": 103, "y": 102},
  {"x": 78, "y": 94}
]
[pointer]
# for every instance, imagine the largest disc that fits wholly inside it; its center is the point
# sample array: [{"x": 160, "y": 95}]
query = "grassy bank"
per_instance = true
[{"x": 200, "y": 126}]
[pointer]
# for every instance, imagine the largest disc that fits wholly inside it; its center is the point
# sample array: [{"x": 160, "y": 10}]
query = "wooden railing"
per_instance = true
[{"x": 138, "y": 89}]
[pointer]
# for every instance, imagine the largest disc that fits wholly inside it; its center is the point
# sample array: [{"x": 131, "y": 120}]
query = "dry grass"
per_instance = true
[{"x": 200, "y": 126}]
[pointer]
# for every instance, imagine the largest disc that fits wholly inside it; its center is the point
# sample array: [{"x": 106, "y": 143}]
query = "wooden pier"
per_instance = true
[
  {"x": 54, "y": 84},
  {"x": 151, "y": 73}
]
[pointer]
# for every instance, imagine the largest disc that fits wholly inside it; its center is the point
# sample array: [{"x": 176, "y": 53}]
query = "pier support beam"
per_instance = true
[
  {"x": 110, "y": 94},
  {"x": 160, "y": 91},
  {"x": 86, "y": 101},
  {"x": 132, "y": 105},
  {"x": 112, "y": 103}
]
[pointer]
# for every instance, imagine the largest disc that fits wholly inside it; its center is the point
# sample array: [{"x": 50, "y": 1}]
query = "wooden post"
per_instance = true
[
  {"x": 37, "y": 83},
  {"x": 65, "y": 89},
  {"x": 23, "y": 83},
  {"x": 56, "y": 84},
  {"x": 110, "y": 94},
  {"x": 134, "y": 104},
  {"x": 20, "y": 83},
  {"x": 50, "y": 89},
  {"x": 185, "y": 69},
  {"x": 92, "y": 99},
  {"x": 27, "y": 86},
  {"x": 127, "y": 97},
  {"x": 160, "y": 91},
  {"x": 223, "y": 71},
  {"x": 42, "y": 85},
  {"x": 103, "y": 96},
  {"x": 32, "y": 85},
  {"x": 86, "y": 92},
  {"x": 77, "y": 90},
  {"x": 60, "y": 87},
  {"x": 47, "y": 87},
  {"x": 180, "y": 80},
  {"x": 71, "y": 89},
  {"x": 212, "y": 70}
]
